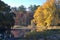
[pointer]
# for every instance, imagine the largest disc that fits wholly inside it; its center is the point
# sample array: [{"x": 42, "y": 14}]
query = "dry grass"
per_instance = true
[{"x": 54, "y": 27}]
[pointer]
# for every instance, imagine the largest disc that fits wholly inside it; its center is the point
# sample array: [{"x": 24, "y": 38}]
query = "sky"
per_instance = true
[{"x": 26, "y": 3}]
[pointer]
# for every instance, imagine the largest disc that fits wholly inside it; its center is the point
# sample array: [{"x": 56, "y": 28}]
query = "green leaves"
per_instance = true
[{"x": 4, "y": 7}]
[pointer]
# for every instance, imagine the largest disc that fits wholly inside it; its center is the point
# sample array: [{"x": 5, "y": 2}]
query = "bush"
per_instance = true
[{"x": 44, "y": 34}]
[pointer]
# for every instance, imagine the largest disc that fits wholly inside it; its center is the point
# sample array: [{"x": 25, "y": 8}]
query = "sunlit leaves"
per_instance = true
[{"x": 46, "y": 15}]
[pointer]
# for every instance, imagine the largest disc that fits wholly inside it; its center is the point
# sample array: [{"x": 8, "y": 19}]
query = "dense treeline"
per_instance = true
[{"x": 23, "y": 15}]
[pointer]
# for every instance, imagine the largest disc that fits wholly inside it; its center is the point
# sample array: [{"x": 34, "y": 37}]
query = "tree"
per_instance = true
[
  {"x": 46, "y": 15},
  {"x": 32, "y": 8},
  {"x": 6, "y": 18},
  {"x": 14, "y": 9},
  {"x": 4, "y": 7},
  {"x": 22, "y": 8}
]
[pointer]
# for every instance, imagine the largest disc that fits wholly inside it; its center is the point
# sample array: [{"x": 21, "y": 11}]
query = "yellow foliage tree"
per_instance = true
[{"x": 46, "y": 15}]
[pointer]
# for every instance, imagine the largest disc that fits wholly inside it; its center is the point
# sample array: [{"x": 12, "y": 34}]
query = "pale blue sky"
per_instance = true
[{"x": 26, "y": 3}]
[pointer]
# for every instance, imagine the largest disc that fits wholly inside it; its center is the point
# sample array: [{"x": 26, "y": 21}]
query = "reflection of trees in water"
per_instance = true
[
  {"x": 5, "y": 36},
  {"x": 18, "y": 33}
]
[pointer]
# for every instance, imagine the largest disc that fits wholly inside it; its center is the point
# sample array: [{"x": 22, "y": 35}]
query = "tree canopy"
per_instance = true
[
  {"x": 6, "y": 17},
  {"x": 22, "y": 8},
  {"x": 4, "y": 7},
  {"x": 46, "y": 15},
  {"x": 32, "y": 8}
]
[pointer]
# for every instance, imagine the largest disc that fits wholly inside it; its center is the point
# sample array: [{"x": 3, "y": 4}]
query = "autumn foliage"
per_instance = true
[{"x": 46, "y": 15}]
